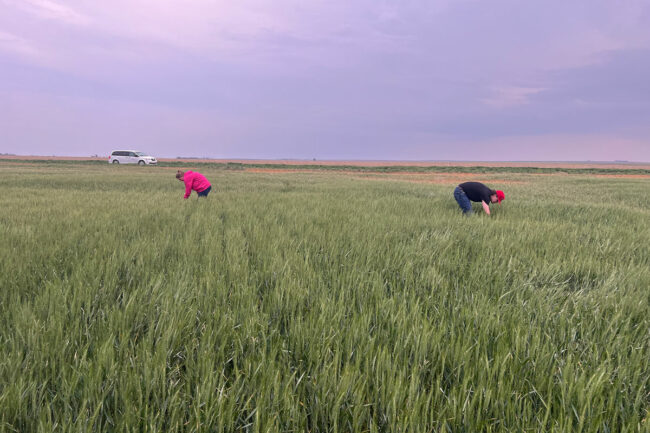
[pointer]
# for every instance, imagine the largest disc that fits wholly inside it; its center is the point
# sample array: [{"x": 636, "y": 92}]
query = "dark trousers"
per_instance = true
[{"x": 205, "y": 192}]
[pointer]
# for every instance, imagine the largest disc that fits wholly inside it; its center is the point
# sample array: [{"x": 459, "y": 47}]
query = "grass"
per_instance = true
[{"x": 320, "y": 302}]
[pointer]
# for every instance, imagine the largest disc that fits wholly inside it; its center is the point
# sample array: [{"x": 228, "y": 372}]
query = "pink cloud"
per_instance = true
[
  {"x": 50, "y": 9},
  {"x": 510, "y": 96}
]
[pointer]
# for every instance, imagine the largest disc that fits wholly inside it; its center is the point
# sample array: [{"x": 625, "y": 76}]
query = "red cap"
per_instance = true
[{"x": 500, "y": 196}]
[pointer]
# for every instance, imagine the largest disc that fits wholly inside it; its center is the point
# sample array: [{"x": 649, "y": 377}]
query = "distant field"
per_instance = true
[
  {"x": 311, "y": 299},
  {"x": 359, "y": 163},
  {"x": 381, "y": 167}
]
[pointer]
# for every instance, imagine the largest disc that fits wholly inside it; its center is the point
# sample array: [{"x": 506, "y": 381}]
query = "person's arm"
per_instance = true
[
  {"x": 486, "y": 207},
  {"x": 188, "y": 187}
]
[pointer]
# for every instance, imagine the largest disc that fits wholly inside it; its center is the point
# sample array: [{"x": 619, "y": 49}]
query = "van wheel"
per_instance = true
[
  {"x": 115, "y": 161},
  {"x": 140, "y": 162}
]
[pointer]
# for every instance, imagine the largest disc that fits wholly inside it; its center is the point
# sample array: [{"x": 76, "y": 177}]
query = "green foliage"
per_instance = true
[{"x": 320, "y": 302}]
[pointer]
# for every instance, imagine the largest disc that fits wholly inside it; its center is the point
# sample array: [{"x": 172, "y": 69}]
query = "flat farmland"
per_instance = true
[
  {"x": 622, "y": 165},
  {"x": 323, "y": 300}
]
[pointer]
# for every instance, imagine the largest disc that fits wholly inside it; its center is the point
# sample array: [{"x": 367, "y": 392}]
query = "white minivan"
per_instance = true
[{"x": 131, "y": 157}]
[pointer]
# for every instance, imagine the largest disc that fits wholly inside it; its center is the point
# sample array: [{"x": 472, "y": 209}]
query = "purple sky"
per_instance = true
[{"x": 327, "y": 79}]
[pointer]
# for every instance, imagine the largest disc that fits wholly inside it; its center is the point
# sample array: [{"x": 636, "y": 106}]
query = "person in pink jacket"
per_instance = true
[{"x": 194, "y": 181}]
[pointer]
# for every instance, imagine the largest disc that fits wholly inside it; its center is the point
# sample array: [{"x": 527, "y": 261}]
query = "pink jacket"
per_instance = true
[{"x": 194, "y": 181}]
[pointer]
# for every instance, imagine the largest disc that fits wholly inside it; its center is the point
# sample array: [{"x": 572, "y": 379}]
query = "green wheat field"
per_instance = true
[{"x": 321, "y": 301}]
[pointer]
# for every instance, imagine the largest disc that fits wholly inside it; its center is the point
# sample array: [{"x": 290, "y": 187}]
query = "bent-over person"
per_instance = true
[
  {"x": 194, "y": 181},
  {"x": 467, "y": 192}
]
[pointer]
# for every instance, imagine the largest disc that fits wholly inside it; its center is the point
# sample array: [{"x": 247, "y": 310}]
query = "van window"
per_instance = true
[{"x": 131, "y": 154}]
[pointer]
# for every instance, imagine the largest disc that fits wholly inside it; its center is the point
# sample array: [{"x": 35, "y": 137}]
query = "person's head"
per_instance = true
[
  {"x": 180, "y": 175},
  {"x": 497, "y": 196}
]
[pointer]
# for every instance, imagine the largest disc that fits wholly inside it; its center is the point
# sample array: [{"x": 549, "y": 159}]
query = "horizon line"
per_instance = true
[{"x": 178, "y": 158}]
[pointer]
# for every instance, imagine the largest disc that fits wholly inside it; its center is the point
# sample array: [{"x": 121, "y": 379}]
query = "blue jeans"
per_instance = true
[
  {"x": 205, "y": 192},
  {"x": 463, "y": 201}
]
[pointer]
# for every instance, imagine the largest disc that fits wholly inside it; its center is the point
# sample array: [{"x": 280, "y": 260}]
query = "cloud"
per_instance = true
[
  {"x": 620, "y": 78},
  {"x": 510, "y": 41},
  {"x": 14, "y": 44},
  {"x": 51, "y": 10},
  {"x": 294, "y": 76},
  {"x": 510, "y": 96}
]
